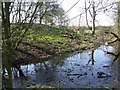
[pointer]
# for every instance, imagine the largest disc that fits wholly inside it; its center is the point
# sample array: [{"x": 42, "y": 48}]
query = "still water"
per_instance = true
[{"x": 76, "y": 71}]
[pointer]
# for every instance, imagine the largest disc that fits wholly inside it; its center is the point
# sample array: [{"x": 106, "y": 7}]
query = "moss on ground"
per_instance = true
[{"x": 59, "y": 39}]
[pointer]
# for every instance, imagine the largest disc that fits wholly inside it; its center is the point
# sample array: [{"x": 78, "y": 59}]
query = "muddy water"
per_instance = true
[{"x": 76, "y": 71}]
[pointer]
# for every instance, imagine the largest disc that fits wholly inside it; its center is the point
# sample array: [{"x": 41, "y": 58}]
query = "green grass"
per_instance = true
[
  {"x": 87, "y": 31},
  {"x": 53, "y": 36}
]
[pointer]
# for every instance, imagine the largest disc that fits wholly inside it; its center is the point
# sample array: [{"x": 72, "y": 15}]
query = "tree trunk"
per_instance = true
[
  {"x": 86, "y": 16},
  {"x": 7, "y": 44},
  {"x": 93, "y": 25}
]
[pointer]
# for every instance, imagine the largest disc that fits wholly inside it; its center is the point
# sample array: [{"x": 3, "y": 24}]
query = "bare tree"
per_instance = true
[
  {"x": 117, "y": 36},
  {"x": 8, "y": 36},
  {"x": 97, "y": 7},
  {"x": 7, "y": 44},
  {"x": 17, "y": 18},
  {"x": 93, "y": 18}
]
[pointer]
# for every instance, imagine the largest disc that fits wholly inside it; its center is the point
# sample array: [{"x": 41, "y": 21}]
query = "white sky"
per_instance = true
[{"x": 102, "y": 18}]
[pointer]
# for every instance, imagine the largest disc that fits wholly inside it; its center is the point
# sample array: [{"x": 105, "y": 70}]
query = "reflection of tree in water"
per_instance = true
[
  {"x": 46, "y": 72},
  {"x": 115, "y": 55},
  {"x": 92, "y": 56},
  {"x": 17, "y": 71},
  {"x": 51, "y": 64},
  {"x": 58, "y": 61},
  {"x": 45, "y": 65}
]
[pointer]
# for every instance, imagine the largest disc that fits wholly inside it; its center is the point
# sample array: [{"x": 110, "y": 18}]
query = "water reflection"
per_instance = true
[{"x": 77, "y": 71}]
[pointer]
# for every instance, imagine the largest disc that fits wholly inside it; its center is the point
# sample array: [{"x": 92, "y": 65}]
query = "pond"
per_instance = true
[{"x": 78, "y": 70}]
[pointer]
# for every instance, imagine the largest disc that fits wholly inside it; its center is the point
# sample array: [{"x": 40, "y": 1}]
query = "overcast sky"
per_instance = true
[{"x": 102, "y": 18}]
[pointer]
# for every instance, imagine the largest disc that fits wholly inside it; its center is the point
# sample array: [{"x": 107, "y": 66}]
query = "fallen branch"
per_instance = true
[
  {"x": 81, "y": 74},
  {"x": 112, "y": 53},
  {"x": 113, "y": 41},
  {"x": 117, "y": 37},
  {"x": 116, "y": 55}
]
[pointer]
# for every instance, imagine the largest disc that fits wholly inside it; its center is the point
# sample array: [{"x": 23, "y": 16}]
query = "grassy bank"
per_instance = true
[
  {"x": 58, "y": 39},
  {"x": 43, "y": 42}
]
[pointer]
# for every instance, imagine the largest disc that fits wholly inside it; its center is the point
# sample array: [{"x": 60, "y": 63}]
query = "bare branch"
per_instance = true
[{"x": 29, "y": 24}]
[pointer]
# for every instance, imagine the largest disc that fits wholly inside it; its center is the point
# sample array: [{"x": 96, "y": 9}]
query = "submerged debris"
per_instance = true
[
  {"x": 105, "y": 66},
  {"x": 103, "y": 75},
  {"x": 81, "y": 74}
]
